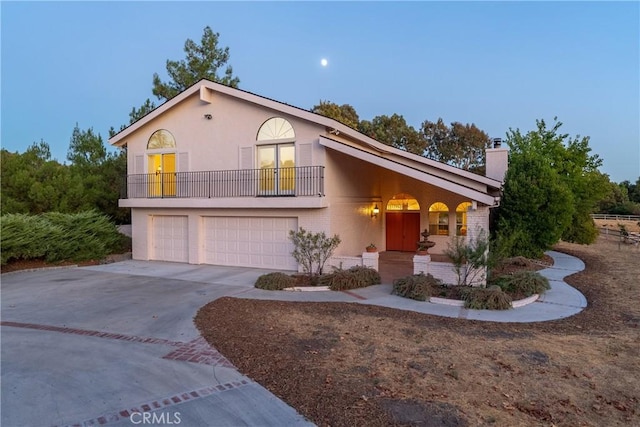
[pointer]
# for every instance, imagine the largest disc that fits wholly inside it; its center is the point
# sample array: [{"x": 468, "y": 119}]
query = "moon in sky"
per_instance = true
[{"x": 324, "y": 62}]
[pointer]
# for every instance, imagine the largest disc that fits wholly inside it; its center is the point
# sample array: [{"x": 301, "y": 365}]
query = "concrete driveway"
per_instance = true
[{"x": 101, "y": 345}]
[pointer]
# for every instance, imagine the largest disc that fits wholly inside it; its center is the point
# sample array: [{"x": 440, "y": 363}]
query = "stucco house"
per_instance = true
[{"x": 218, "y": 175}]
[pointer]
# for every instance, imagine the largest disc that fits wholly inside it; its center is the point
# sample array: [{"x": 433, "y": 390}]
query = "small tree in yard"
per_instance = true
[
  {"x": 312, "y": 249},
  {"x": 469, "y": 258}
]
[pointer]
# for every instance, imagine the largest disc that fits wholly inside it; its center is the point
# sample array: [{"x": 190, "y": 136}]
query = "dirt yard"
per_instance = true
[
  {"x": 355, "y": 365},
  {"x": 632, "y": 226}
]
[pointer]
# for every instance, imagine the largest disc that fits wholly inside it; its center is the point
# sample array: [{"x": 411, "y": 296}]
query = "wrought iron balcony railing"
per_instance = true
[{"x": 267, "y": 182}]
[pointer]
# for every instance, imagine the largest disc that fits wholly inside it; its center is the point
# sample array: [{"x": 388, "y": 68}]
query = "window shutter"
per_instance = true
[
  {"x": 183, "y": 162},
  {"x": 304, "y": 155},
  {"x": 139, "y": 164},
  {"x": 246, "y": 158}
]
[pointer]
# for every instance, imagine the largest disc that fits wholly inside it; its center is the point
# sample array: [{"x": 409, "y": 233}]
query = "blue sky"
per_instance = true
[{"x": 499, "y": 65}]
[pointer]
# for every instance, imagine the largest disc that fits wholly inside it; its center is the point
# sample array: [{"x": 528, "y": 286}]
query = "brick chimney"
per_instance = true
[{"x": 497, "y": 160}]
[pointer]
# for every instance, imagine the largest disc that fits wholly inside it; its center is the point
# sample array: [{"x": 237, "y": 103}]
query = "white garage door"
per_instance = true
[
  {"x": 249, "y": 242},
  {"x": 170, "y": 238}
]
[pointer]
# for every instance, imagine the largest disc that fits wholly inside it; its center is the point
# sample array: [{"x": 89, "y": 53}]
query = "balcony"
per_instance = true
[{"x": 244, "y": 183}]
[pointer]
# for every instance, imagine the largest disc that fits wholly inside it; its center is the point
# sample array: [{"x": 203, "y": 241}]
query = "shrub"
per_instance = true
[
  {"x": 366, "y": 275},
  {"x": 87, "y": 235},
  {"x": 23, "y": 237},
  {"x": 418, "y": 286},
  {"x": 525, "y": 283},
  {"x": 470, "y": 257},
  {"x": 353, "y": 278},
  {"x": 312, "y": 249},
  {"x": 58, "y": 237},
  {"x": 275, "y": 281},
  {"x": 341, "y": 280},
  {"x": 486, "y": 299}
]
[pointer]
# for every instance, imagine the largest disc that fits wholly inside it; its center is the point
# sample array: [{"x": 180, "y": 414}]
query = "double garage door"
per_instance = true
[
  {"x": 260, "y": 242},
  {"x": 249, "y": 242}
]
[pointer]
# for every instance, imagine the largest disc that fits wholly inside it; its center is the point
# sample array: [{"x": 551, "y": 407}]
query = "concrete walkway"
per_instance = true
[
  {"x": 99, "y": 345},
  {"x": 559, "y": 302}
]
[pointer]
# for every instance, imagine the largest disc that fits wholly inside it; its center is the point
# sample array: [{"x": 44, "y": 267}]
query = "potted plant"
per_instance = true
[{"x": 372, "y": 248}]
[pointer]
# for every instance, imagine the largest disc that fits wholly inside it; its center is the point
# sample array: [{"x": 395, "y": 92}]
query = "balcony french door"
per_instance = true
[
  {"x": 162, "y": 175},
  {"x": 277, "y": 173}
]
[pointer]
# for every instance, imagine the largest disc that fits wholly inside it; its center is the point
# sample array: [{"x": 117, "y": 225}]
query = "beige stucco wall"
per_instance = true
[
  {"x": 357, "y": 186},
  {"x": 215, "y": 144},
  {"x": 352, "y": 186}
]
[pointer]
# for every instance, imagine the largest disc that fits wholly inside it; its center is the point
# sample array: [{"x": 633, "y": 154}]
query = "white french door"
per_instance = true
[{"x": 277, "y": 173}]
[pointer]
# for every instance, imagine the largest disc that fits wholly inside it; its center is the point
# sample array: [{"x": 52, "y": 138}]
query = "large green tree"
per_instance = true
[
  {"x": 344, "y": 113},
  {"x": 460, "y": 145},
  {"x": 536, "y": 206},
  {"x": 633, "y": 190},
  {"x": 394, "y": 131},
  {"x": 32, "y": 182},
  {"x": 203, "y": 61},
  {"x": 617, "y": 195},
  {"x": 565, "y": 167},
  {"x": 98, "y": 172}
]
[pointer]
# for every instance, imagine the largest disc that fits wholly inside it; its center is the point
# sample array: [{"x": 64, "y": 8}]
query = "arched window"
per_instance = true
[
  {"x": 403, "y": 202},
  {"x": 461, "y": 218},
  {"x": 161, "y": 138},
  {"x": 276, "y": 157},
  {"x": 276, "y": 128},
  {"x": 439, "y": 219}
]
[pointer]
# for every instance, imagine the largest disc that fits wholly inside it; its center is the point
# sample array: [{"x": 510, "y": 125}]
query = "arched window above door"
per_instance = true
[
  {"x": 439, "y": 219},
  {"x": 403, "y": 202},
  {"x": 276, "y": 128},
  {"x": 161, "y": 138}
]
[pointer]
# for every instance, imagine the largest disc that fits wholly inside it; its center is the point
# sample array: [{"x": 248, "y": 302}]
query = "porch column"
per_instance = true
[
  {"x": 478, "y": 220},
  {"x": 421, "y": 264},
  {"x": 370, "y": 259}
]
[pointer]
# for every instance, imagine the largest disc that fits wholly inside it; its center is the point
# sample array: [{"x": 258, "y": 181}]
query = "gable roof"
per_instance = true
[{"x": 463, "y": 182}]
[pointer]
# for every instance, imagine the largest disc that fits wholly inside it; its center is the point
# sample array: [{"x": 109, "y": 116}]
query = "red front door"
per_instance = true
[{"x": 403, "y": 231}]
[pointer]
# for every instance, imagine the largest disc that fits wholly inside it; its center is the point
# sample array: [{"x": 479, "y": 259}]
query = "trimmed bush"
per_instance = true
[
  {"x": 418, "y": 286},
  {"x": 366, "y": 275},
  {"x": 525, "y": 283},
  {"x": 58, "y": 237},
  {"x": 353, "y": 278},
  {"x": 275, "y": 281},
  {"x": 486, "y": 299}
]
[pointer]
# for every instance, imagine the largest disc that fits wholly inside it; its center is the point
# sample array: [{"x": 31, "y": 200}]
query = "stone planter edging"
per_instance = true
[
  {"x": 459, "y": 303},
  {"x": 447, "y": 301},
  {"x": 525, "y": 301},
  {"x": 307, "y": 288}
]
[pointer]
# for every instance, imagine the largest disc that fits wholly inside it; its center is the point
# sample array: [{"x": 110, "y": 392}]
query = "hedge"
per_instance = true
[{"x": 58, "y": 237}]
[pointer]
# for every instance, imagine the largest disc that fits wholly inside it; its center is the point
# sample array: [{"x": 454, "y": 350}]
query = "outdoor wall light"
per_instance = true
[
  {"x": 208, "y": 116},
  {"x": 375, "y": 211}
]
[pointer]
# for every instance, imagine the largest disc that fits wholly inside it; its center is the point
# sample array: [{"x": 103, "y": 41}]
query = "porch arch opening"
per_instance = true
[
  {"x": 403, "y": 202},
  {"x": 439, "y": 219},
  {"x": 461, "y": 218}
]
